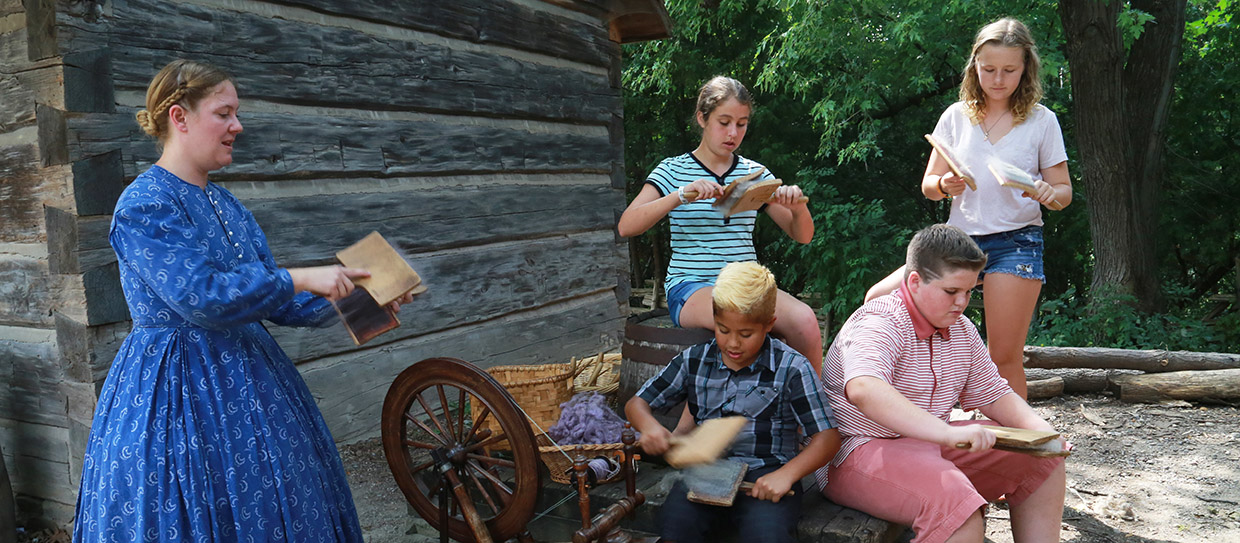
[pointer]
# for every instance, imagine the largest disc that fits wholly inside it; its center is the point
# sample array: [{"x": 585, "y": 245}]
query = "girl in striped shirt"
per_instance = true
[{"x": 703, "y": 241}]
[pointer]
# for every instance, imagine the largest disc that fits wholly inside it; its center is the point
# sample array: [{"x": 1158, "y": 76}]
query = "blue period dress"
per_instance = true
[{"x": 204, "y": 430}]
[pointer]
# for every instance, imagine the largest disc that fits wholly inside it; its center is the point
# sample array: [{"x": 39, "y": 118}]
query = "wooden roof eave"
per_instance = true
[{"x": 628, "y": 21}]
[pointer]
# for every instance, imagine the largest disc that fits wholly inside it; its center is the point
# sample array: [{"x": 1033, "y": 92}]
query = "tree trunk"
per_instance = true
[
  {"x": 1217, "y": 386},
  {"x": 1121, "y": 103},
  {"x": 1095, "y": 55},
  {"x": 1149, "y": 82}
]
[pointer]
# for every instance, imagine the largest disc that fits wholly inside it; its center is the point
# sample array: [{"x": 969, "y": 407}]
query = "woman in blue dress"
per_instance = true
[{"x": 204, "y": 429}]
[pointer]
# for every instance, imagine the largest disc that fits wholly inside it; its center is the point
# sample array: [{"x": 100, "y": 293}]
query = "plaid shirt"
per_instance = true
[{"x": 778, "y": 392}]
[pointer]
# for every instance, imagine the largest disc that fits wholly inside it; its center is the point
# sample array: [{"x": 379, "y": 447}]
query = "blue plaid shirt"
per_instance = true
[{"x": 778, "y": 392}]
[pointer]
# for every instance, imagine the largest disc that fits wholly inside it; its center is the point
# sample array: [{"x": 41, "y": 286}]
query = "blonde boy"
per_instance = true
[{"x": 743, "y": 371}]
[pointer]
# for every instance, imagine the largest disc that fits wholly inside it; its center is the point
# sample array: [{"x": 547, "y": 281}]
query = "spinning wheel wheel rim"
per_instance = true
[{"x": 455, "y": 443}]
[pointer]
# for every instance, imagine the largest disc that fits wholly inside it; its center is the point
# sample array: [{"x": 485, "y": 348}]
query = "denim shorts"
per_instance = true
[
  {"x": 678, "y": 295},
  {"x": 1018, "y": 253}
]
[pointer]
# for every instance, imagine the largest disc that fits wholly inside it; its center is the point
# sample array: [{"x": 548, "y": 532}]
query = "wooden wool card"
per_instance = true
[{"x": 365, "y": 312}]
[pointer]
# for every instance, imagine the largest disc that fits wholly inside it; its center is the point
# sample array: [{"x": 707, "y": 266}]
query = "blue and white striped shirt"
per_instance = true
[
  {"x": 702, "y": 241},
  {"x": 778, "y": 393}
]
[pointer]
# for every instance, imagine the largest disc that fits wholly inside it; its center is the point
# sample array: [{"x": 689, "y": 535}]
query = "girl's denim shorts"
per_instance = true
[
  {"x": 678, "y": 295},
  {"x": 1018, "y": 252}
]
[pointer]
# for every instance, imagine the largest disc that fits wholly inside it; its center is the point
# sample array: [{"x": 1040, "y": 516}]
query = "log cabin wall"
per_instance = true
[{"x": 483, "y": 138}]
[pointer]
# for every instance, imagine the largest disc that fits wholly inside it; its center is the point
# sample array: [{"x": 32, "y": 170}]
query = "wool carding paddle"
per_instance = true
[
  {"x": 717, "y": 483},
  {"x": 704, "y": 444},
  {"x": 746, "y": 194},
  {"x": 1021, "y": 440}
]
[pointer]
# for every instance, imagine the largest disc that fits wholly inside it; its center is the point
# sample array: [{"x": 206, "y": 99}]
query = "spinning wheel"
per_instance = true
[{"x": 472, "y": 478}]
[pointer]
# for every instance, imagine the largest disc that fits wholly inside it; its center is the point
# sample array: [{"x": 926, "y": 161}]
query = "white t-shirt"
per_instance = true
[{"x": 1032, "y": 146}]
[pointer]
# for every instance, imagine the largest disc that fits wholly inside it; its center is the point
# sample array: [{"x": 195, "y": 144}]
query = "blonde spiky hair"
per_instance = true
[{"x": 747, "y": 288}]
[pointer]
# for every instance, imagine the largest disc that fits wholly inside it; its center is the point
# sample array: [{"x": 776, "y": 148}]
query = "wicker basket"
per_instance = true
[
  {"x": 559, "y": 458},
  {"x": 538, "y": 389},
  {"x": 599, "y": 373}
]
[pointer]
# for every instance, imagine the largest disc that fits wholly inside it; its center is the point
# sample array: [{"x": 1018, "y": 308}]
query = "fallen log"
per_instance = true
[
  {"x": 1078, "y": 380},
  {"x": 1207, "y": 386},
  {"x": 1149, "y": 361},
  {"x": 1042, "y": 389}
]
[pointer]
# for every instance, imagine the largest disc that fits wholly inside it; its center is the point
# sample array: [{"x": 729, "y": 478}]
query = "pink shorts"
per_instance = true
[{"x": 932, "y": 488}]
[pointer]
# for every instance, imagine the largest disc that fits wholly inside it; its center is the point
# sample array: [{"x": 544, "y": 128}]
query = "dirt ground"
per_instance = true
[{"x": 1139, "y": 473}]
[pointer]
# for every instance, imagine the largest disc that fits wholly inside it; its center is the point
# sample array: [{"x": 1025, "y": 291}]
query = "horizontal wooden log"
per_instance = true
[
  {"x": 477, "y": 284},
  {"x": 1042, "y": 389},
  {"x": 1076, "y": 380},
  {"x": 282, "y": 146},
  {"x": 350, "y": 389},
  {"x": 1204, "y": 386},
  {"x": 299, "y": 62},
  {"x": 500, "y": 23},
  {"x": 1144, "y": 360},
  {"x": 310, "y": 229}
]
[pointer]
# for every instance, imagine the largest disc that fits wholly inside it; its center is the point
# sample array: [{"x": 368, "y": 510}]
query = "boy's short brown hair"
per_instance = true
[
  {"x": 747, "y": 288},
  {"x": 939, "y": 249}
]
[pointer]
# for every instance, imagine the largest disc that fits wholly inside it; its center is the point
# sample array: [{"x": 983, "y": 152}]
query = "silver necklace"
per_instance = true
[{"x": 986, "y": 132}]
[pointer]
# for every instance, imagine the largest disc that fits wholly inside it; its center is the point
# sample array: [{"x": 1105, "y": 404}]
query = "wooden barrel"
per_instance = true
[{"x": 650, "y": 342}]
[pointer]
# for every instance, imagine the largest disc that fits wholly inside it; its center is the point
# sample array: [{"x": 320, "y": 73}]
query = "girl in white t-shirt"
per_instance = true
[{"x": 998, "y": 116}]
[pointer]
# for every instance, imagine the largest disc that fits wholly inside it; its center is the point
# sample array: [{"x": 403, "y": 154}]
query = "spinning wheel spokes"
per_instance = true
[{"x": 487, "y": 464}]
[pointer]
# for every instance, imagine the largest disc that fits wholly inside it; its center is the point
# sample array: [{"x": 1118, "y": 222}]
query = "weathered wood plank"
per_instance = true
[
  {"x": 350, "y": 389},
  {"x": 53, "y": 136},
  {"x": 308, "y": 230},
  {"x": 282, "y": 146},
  {"x": 86, "y": 352},
  {"x": 25, "y": 291},
  {"x": 32, "y": 378},
  {"x": 21, "y": 205},
  {"x": 105, "y": 301},
  {"x": 477, "y": 284},
  {"x": 40, "y": 29},
  {"x": 39, "y": 466},
  {"x": 76, "y": 243},
  {"x": 98, "y": 182},
  {"x": 88, "y": 81},
  {"x": 501, "y": 23},
  {"x": 17, "y": 108},
  {"x": 291, "y": 61}
]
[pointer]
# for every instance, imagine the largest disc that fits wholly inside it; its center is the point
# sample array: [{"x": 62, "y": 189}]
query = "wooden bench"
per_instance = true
[{"x": 821, "y": 520}]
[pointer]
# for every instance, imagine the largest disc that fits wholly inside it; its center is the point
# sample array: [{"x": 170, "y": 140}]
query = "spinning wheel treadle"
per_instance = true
[{"x": 489, "y": 496}]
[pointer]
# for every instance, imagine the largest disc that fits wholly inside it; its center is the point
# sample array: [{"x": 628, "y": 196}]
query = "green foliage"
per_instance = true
[
  {"x": 864, "y": 245},
  {"x": 1109, "y": 319}
]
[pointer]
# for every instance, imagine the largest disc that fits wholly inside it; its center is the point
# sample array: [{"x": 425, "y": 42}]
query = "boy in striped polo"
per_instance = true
[
  {"x": 743, "y": 371},
  {"x": 893, "y": 374}
]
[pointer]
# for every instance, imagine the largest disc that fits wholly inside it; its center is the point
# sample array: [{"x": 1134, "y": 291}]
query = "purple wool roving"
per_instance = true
[{"x": 586, "y": 419}]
